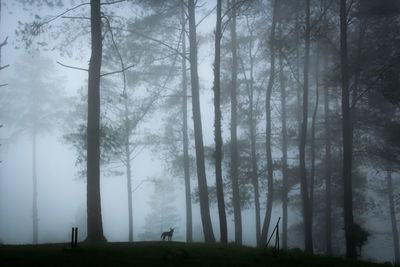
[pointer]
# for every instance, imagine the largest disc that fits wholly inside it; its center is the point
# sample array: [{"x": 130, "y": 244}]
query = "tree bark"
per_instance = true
[
  {"x": 35, "y": 217},
  {"x": 198, "y": 135},
  {"x": 393, "y": 217},
  {"x": 347, "y": 136},
  {"x": 94, "y": 219},
  {"x": 307, "y": 221},
  {"x": 185, "y": 136},
  {"x": 128, "y": 177},
  {"x": 314, "y": 118},
  {"x": 234, "y": 150},
  {"x": 285, "y": 182},
  {"x": 265, "y": 228},
  {"x": 253, "y": 141},
  {"x": 328, "y": 174},
  {"x": 217, "y": 127}
]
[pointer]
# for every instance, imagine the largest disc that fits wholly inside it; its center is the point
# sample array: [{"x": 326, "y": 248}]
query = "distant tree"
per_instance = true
[{"x": 31, "y": 105}]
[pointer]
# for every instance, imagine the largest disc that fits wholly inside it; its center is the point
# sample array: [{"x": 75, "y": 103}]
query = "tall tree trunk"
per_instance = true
[
  {"x": 393, "y": 217},
  {"x": 185, "y": 135},
  {"x": 347, "y": 136},
  {"x": 217, "y": 127},
  {"x": 94, "y": 219},
  {"x": 285, "y": 182},
  {"x": 264, "y": 232},
  {"x": 314, "y": 118},
  {"x": 328, "y": 174},
  {"x": 198, "y": 134},
  {"x": 303, "y": 137},
  {"x": 253, "y": 141},
  {"x": 128, "y": 177},
  {"x": 234, "y": 150},
  {"x": 35, "y": 219}
]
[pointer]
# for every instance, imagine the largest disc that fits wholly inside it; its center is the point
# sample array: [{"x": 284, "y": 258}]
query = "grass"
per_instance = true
[{"x": 161, "y": 254}]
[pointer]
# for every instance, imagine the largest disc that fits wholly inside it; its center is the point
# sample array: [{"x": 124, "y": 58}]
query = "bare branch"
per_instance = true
[
  {"x": 114, "y": 2},
  {"x": 4, "y": 84},
  {"x": 3, "y": 67},
  {"x": 4, "y": 42},
  {"x": 72, "y": 17},
  {"x": 71, "y": 67},
  {"x": 154, "y": 40},
  {"x": 208, "y": 14},
  {"x": 65, "y": 12},
  {"x": 117, "y": 71}
]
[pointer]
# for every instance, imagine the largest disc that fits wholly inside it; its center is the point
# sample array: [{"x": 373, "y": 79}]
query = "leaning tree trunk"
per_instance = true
[
  {"x": 307, "y": 221},
  {"x": 393, "y": 217},
  {"x": 234, "y": 150},
  {"x": 185, "y": 135},
  {"x": 198, "y": 135},
  {"x": 264, "y": 232},
  {"x": 285, "y": 182},
  {"x": 94, "y": 219},
  {"x": 217, "y": 127},
  {"x": 347, "y": 136},
  {"x": 35, "y": 219}
]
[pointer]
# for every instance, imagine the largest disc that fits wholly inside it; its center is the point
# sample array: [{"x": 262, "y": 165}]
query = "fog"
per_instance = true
[{"x": 44, "y": 114}]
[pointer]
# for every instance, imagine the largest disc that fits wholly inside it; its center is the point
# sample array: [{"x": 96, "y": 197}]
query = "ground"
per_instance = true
[{"x": 161, "y": 254}]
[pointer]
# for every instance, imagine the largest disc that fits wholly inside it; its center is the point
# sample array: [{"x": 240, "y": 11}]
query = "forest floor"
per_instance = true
[{"x": 161, "y": 254}]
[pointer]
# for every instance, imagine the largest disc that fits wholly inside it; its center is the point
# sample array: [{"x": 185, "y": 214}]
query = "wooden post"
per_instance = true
[
  {"x": 76, "y": 237},
  {"x": 72, "y": 237}
]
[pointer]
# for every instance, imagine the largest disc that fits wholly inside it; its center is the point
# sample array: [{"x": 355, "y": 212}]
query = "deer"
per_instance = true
[{"x": 168, "y": 234}]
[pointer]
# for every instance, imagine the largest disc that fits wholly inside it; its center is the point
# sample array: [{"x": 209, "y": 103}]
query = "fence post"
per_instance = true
[
  {"x": 72, "y": 237},
  {"x": 76, "y": 236}
]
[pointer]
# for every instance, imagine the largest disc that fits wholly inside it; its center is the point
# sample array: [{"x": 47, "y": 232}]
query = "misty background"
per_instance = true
[{"x": 42, "y": 76}]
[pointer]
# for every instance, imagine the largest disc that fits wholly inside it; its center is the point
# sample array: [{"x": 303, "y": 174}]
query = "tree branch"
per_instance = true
[
  {"x": 117, "y": 71},
  {"x": 4, "y": 42},
  {"x": 154, "y": 40},
  {"x": 65, "y": 12},
  {"x": 71, "y": 67},
  {"x": 3, "y": 67},
  {"x": 111, "y": 3}
]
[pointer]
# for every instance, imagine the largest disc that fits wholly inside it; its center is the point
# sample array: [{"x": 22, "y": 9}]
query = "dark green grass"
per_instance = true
[{"x": 161, "y": 254}]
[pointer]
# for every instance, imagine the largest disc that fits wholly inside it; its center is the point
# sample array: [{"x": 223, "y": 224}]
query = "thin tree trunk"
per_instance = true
[
  {"x": 314, "y": 118},
  {"x": 234, "y": 150},
  {"x": 303, "y": 137},
  {"x": 253, "y": 134},
  {"x": 285, "y": 182},
  {"x": 129, "y": 188},
  {"x": 265, "y": 228},
  {"x": 328, "y": 174},
  {"x": 185, "y": 136},
  {"x": 35, "y": 219},
  {"x": 347, "y": 136},
  {"x": 94, "y": 219},
  {"x": 198, "y": 135},
  {"x": 393, "y": 218},
  {"x": 217, "y": 127}
]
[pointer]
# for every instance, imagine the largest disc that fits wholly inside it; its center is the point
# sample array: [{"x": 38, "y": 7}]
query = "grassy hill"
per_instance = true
[{"x": 161, "y": 254}]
